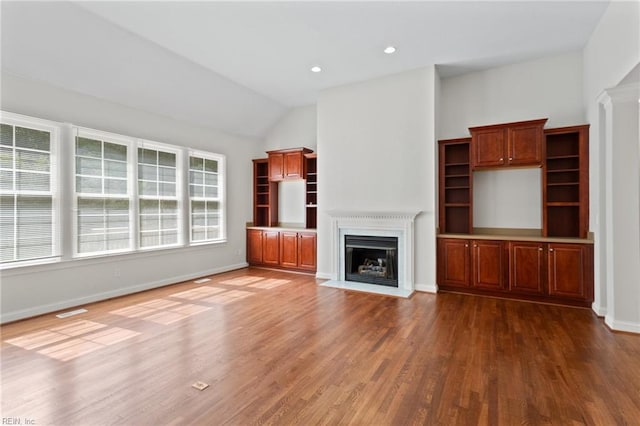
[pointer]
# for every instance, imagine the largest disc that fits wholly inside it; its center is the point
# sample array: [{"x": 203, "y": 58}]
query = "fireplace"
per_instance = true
[
  {"x": 387, "y": 259},
  {"x": 371, "y": 259}
]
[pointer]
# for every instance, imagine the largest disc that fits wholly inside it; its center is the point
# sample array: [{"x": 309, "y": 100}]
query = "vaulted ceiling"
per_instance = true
[{"x": 238, "y": 66}]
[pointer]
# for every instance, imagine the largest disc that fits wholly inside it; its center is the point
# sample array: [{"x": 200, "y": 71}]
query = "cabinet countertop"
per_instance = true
[
  {"x": 516, "y": 237},
  {"x": 282, "y": 228}
]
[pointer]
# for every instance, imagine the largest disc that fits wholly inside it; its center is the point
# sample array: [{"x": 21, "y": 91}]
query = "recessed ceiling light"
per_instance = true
[
  {"x": 316, "y": 69},
  {"x": 389, "y": 50}
]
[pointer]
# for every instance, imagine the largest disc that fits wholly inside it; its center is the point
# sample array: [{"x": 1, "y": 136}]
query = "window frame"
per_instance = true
[
  {"x": 130, "y": 195},
  {"x": 179, "y": 197},
  {"x": 221, "y": 199},
  {"x": 54, "y": 129}
]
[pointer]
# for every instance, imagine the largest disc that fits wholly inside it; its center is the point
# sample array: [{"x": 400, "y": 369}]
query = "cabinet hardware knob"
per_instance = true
[
  {"x": 550, "y": 249},
  {"x": 539, "y": 248},
  {"x": 510, "y": 158},
  {"x": 466, "y": 245},
  {"x": 501, "y": 159}
]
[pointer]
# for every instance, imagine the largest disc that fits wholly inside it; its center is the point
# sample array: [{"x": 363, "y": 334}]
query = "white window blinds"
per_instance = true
[
  {"x": 206, "y": 187},
  {"x": 102, "y": 196},
  {"x": 27, "y": 190},
  {"x": 158, "y": 196}
]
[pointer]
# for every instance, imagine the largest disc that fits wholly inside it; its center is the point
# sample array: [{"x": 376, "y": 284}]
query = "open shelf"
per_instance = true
[
  {"x": 311, "y": 190},
  {"x": 265, "y": 195},
  {"x": 455, "y": 187},
  {"x": 565, "y": 204}
]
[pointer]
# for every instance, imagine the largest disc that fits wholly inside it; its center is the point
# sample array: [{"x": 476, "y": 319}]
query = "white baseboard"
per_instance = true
[
  {"x": 427, "y": 288},
  {"x": 621, "y": 325},
  {"x": 323, "y": 276},
  {"x": 600, "y": 311},
  {"x": 53, "y": 307}
]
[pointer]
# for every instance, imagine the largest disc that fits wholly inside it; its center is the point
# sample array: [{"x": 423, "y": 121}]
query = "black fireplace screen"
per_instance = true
[{"x": 371, "y": 259}]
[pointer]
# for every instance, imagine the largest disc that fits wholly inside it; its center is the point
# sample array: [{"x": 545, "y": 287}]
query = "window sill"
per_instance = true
[{"x": 57, "y": 263}]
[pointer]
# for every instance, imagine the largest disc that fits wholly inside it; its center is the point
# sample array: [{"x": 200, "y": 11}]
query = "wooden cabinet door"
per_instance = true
[
  {"x": 276, "y": 166},
  {"x": 254, "y": 246},
  {"x": 570, "y": 271},
  {"x": 270, "y": 247},
  {"x": 293, "y": 166},
  {"x": 525, "y": 145},
  {"x": 307, "y": 251},
  {"x": 453, "y": 262},
  {"x": 526, "y": 267},
  {"x": 488, "y": 147},
  {"x": 487, "y": 265},
  {"x": 289, "y": 249}
]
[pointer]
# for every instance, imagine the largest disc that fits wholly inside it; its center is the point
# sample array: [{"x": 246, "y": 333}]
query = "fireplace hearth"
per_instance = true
[{"x": 371, "y": 259}]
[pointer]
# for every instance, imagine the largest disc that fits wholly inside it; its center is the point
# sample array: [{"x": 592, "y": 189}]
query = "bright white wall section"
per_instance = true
[
  {"x": 546, "y": 88},
  {"x": 550, "y": 88},
  {"x": 508, "y": 199},
  {"x": 33, "y": 290},
  {"x": 611, "y": 53},
  {"x": 376, "y": 144},
  {"x": 297, "y": 128}
]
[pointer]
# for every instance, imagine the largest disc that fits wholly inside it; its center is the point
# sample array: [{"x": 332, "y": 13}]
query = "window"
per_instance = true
[
  {"x": 125, "y": 194},
  {"x": 206, "y": 173},
  {"x": 158, "y": 196},
  {"x": 28, "y": 208},
  {"x": 102, "y": 195}
]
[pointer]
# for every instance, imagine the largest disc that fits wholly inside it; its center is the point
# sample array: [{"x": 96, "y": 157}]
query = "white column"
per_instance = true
[{"x": 622, "y": 193}]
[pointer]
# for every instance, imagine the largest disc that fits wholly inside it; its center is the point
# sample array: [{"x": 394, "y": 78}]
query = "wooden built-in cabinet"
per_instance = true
[
  {"x": 548, "y": 272},
  {"x": 510, "y": 144},
  {"x": 279, "y": 247},
  {"x": 557, "y": 265},
  {"x": 282, "y": 249},
  {"x": 287, "y": 164}
]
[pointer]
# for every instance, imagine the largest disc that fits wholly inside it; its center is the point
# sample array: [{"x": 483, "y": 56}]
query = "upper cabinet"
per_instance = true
[
  {"x": 510, "y": 144},
  {"x": 287, "y": 164}
]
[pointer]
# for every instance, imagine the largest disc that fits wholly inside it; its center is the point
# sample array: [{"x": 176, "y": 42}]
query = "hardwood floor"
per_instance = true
[{"x": 277, "y": 349}]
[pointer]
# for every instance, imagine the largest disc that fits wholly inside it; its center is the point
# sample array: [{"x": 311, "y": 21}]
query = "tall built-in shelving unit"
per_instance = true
[
  {"x": 565, "y": 182},
  {"x": 311, "y": 190},
  {"x": 455, "y": 186},
  {"x": 265, "y": 195}
]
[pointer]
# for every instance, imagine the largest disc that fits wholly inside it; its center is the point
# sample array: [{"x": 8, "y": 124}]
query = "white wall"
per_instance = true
[
  {"x": 545, "y": 88},
  {"x": 611, "y": 53},
  {"x": 33, "y": 290},
  {"x": 376, "y": 145},
  {"x": 297, "y": 128}
]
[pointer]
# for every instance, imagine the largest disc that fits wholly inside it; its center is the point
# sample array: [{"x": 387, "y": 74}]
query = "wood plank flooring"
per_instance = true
[{"x": 276, "y": 348}]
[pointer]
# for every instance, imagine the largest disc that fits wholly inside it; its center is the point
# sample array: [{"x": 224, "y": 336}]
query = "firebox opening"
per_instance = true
[{"x": 371, "y": 259}]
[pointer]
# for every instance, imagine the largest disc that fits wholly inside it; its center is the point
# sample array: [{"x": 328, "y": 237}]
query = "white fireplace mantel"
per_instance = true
[{"x": 373, "y": 223}]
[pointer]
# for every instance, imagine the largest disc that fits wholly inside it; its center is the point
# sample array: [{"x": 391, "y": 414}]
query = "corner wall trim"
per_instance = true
[
  {"x": 616, "y": 325},
  {"x": 427, "y": 288}
]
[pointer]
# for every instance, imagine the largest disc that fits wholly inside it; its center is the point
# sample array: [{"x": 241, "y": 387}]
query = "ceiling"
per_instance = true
[{"x": 239, "y": 66}]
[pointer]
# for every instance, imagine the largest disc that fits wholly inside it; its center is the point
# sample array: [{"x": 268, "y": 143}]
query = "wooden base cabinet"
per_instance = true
[
  {"x": 527, "y": 266},
  {"x": 453, "y": 262},
  {"x": 282, "y": 249},
  {"x": 571, "y": 271},
  {"x": 487, "y": 265},
  {"x": 547, "y": 272}
]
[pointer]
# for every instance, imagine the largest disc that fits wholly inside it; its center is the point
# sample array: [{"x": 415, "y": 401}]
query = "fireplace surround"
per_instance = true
[{"x": 380, "y": 225}]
